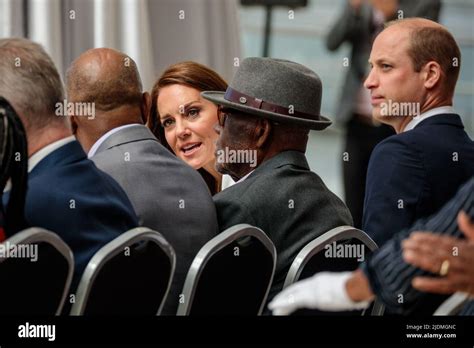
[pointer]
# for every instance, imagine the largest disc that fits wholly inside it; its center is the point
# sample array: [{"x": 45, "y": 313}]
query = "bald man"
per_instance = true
[
  {"x": 415, "y": 64},
  {"x": 66, "y": 192},
  {"x": 423, "y": 166},
  {"x": 167, "y": 195}
]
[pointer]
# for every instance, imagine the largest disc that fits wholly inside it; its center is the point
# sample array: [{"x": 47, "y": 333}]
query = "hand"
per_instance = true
[
  {"x": 428, "y": 251},
  {"x": 325, "y": 291}
]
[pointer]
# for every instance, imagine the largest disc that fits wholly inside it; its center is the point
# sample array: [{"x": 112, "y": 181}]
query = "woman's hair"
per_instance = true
[
  {"x": 14, "y": 161},
  {"x": 190, "y": 74}
]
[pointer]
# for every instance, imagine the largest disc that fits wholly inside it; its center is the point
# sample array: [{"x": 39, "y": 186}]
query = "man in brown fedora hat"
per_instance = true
[{"x": 264, "y": 120}]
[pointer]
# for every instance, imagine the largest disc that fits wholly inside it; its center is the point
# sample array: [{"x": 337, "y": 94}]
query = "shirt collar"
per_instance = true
[
  {"x": 427, "y": 114},
  {"x": 104, "y": 137},
  {"x": 45, "y": 151},
  {"x": 245, "y": 177}
]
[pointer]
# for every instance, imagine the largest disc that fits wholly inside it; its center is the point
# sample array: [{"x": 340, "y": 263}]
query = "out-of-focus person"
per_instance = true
[{"x": 13, "y": 171}]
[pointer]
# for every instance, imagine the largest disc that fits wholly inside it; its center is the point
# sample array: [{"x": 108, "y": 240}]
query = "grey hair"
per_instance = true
[{"x": 30, "y": 82}]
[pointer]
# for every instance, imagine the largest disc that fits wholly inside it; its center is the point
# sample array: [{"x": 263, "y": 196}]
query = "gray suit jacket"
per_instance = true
[
  {"x": 168, "y": 196},
  {"x": 288, "y": 202},
  {"x": 357, "y": 30}
]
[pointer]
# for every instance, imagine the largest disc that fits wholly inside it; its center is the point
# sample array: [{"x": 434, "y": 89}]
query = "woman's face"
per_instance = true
[{"x": 188, "y": 121}]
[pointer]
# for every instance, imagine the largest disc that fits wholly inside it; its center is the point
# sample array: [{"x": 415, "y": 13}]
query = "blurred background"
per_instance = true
[
  {"x": 219, "y": 33},
  {"x": 302, "y": 39}
]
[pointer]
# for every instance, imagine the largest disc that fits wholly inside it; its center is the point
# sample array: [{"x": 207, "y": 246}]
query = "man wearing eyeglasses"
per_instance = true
[{"x": 264, "y": 120}]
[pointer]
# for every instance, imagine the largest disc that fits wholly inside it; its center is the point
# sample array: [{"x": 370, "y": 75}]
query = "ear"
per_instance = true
[
  {"x": 74, "y": 125},
  {"x": 262, "y": 132},
  {"x": 432, "y": 74},
  {"x": 145, "y": 107}
]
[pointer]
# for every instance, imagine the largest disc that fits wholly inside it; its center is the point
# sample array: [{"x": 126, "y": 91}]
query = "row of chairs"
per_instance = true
[{"x": 132, "y": 274}]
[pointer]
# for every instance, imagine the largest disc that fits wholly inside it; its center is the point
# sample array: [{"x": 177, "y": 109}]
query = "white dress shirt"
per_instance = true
[
  {"x": 103, "y": 138},
  {"x": 45, "y": 151},
  {"x": 245, "y": 177},
  {"x": 227, "y": 181}
]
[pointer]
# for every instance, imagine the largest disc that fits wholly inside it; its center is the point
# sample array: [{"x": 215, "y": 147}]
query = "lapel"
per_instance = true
[{"x": 127, "y": 135}]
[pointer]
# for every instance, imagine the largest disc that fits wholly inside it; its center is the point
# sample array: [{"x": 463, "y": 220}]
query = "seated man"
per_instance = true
[
  {"x": 387, "y": 275},
  {"x": 167, "y": 194},
  {"x": 67, "y": 194},
  {"x": 414, "y": 173},
  {"x": 265, "y": 119}
]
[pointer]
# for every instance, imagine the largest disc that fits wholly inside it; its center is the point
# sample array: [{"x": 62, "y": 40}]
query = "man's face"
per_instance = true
[
  {"x": 235, "y": 137},
  {"x": 392, "y": 81}
]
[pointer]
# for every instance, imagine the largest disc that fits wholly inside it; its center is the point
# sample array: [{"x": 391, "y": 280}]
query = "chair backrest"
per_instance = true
[
  {"x": 453, "y": 305},
  {"x": 131, "y": 275},
  {"x": 230, "y": 275},
  {"x": 340, "y": 249},
  {"x": 36, "y": 269}
]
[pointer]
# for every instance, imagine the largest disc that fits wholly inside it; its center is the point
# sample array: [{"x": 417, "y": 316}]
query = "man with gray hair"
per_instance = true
[
  {"x": 67, "y": 194},
  {"x": 167, "y": 194}
]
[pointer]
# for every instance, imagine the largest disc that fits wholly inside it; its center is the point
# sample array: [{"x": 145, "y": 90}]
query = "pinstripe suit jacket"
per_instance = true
[{"x": 390, "y": 277}]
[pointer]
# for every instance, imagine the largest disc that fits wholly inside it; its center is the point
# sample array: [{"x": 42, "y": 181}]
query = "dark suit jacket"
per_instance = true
[
  {"x": 288, "y": 202},
  {"x": 412, "y": 174},
  {"x": 168, "y": 195},
  {"x": 68, "y": 195},
  {"x": 390, "y": 276}
]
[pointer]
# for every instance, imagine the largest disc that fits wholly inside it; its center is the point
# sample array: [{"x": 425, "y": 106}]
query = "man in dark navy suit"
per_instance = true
[
  {"x": 411, "y": 175},
  {"x": 67, "y": 194},
  {"x": 414, "y": 68}
]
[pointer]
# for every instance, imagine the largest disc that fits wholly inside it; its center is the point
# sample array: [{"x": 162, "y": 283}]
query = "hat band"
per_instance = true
[{"x": 243, "y": 99}]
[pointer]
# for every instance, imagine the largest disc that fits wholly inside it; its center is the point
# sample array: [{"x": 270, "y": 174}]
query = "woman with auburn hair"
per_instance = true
[{"x": 184, "y": 121}]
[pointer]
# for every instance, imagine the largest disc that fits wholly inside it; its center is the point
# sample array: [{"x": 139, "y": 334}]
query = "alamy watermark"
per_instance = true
[
  {"x": 227, "y": 155},
  {"x": 75, "y": 109},
  {"x": 21, "y": 251},
  {"x": 335, "y": 250},
  {"x": 400, "y": 109},
  {"x": 28, "y": 330}
]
